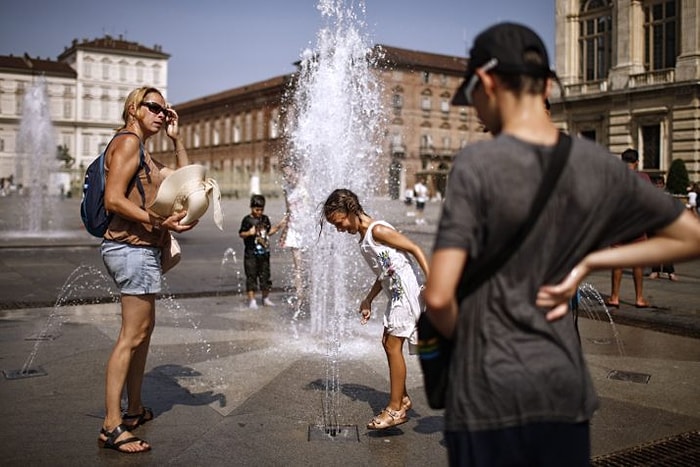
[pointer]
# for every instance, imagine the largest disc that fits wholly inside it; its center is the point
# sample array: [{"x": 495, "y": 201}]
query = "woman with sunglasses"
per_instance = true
[{"x": 131, "y": 253}]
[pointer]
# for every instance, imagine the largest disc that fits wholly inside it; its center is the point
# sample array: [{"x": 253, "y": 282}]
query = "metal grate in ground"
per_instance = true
[{"x": 677, "y": 451}]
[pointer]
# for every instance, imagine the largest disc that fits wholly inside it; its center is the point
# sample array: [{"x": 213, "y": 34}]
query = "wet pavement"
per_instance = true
[{"x": 233, "y": 386}]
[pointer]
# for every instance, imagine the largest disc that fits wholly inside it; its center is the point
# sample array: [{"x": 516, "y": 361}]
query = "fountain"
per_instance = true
[
  {"x": 335, "y": 125},
  {"x": 86, "y": 284},
  {"x": 36, "y": 162},
  {"x": 35, "y": 212}
]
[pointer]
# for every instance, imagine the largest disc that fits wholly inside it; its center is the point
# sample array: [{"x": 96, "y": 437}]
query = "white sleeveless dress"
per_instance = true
[{"x": 400, "y": 282}]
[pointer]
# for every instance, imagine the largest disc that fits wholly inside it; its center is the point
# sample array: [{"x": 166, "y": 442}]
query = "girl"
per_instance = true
[{"x": 386, "y": 251}]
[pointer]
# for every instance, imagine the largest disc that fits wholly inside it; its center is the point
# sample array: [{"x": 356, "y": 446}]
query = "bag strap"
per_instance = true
[{"x": 477, "y": 274}]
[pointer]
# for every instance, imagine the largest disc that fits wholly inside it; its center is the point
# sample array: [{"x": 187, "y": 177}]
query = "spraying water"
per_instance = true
[
  {"x": 335, "y": 125},
  {"x": 36, "y": 159}
]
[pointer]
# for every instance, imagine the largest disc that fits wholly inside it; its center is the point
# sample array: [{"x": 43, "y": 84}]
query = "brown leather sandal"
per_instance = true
[
  {"x": 135, "y": 421},
  {"x": 388, "y": 418},
  {"x": 111, "y": 440}
]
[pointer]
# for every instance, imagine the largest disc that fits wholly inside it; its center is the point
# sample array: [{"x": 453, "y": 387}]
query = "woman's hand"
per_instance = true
[
  {"x": 173, "y": 222},
  {"x": 172, "y": 128}
]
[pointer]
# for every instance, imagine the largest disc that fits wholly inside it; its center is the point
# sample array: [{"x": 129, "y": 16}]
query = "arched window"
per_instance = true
[
  {"x": 661, "y": 27},
  {"x": 595, "y": 39}
]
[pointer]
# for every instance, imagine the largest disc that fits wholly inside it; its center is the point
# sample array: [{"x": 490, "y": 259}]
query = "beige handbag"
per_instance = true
[{"x": 170, "y": 255}]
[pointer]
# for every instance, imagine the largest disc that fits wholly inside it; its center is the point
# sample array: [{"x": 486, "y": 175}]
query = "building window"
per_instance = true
[
  {"x": 195, "y": 137},
  {"x": 588, "y": 134},
  {"x": 156, "y": 74},
  {"x": 445, "y": 105},
  {"x": 425, "y": 103},
  {"x": 236, "y": 133},
  {"x": 87, "y": 104},
  {"x": 216, "y": 138},
  {"x": 104, "y": 107},
  {"x": 595, "y": 39},
  {"x": 274, "y": 124},
  {"x": 248, "y": 129},
  {"x": 122, "y": 70},
  {"x": 259, "y": 126},
  {"x": 446, "y": 142},
  {"x": 397, "y": 101},
  {"x": 426, "y": 77},
  {"x": 139, "y": 72},
  {"x": 651, "y": 146},
  {"x": 87, "y": 68},
  {"x": 660, "y": 34},
  {"x": 105, "y": 69}
]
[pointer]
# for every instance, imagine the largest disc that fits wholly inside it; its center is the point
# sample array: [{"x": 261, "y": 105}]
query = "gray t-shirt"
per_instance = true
[{"x": 510, "y": 366}]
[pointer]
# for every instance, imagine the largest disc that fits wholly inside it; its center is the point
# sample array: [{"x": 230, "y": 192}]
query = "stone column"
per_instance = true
[
  {"x": 688, "y": 62},
  {"x": 628, "y": 43}
]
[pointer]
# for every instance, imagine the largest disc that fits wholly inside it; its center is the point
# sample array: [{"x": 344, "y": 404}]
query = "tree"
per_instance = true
[{"x": 677, "y": 181}]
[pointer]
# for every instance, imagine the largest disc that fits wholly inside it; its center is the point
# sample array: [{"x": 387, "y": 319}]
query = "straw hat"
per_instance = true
[{"x": 188, "y": 189}]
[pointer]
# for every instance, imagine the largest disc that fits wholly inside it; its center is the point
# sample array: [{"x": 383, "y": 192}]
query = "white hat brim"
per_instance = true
[{"x": 184, "y": 188}]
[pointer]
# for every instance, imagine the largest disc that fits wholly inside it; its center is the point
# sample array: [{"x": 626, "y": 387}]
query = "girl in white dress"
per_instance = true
[{"x": 387, "y": 252}]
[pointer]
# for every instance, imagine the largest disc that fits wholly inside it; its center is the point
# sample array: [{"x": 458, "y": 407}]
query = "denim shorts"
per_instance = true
[{"x": 135, "y": 269}]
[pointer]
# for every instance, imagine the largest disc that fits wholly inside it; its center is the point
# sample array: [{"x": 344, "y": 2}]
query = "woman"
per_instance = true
[{"x": 131, "y": 252}]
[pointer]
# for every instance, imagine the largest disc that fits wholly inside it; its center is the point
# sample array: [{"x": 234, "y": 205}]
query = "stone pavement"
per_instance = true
[{"x": 233, "y": 386}]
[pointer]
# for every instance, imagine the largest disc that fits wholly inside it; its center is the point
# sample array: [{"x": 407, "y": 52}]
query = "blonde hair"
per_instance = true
[{"x": 135, "y": 98}]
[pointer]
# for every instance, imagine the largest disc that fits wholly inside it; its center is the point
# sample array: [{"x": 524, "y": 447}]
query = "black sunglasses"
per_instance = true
[{"x": 155, "y": 108}]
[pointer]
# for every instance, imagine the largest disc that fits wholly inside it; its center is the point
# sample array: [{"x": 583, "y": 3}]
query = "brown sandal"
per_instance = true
[
  {"x": 406, "y": 403},
  {"x": 388, "y": 418},
  {"x": 135, "y": 421},
  {"x": 111, "y": 440}
]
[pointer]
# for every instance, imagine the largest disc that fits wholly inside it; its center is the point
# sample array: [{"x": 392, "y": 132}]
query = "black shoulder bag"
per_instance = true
[{"x": 434, "y": 350}]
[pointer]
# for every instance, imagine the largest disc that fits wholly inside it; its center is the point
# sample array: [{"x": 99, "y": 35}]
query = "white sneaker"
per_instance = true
[
  {"x": 253, "y": 305},
  {"x": 268, "y": 302}
]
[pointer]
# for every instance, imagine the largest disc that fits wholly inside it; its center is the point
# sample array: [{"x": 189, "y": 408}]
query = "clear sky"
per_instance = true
[{"x": 215, "y": 45}]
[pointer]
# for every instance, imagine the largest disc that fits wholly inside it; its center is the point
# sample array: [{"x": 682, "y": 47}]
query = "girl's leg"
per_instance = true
[
  {"x": 393, "y": 346},
  {"x": 137, "y": 323}
]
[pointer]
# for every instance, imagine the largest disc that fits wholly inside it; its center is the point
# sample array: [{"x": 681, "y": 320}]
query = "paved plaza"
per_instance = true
[{"x": 234, "y": 386}]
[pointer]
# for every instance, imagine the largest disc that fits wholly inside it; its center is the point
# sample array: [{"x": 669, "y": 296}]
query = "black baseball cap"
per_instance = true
[{"x": 503, "y": 47}]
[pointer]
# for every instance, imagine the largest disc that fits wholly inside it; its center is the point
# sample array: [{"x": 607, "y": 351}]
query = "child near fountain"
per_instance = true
[
  {"x": 387, "y": 252},
  {"x": 256, "y": 231}
]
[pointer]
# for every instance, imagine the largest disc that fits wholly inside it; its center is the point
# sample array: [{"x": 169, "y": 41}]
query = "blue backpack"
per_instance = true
[{"x": 92, "y": 207}]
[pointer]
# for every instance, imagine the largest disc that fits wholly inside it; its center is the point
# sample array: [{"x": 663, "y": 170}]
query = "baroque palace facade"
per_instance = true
[
  {"x": 239, "y": 134},
  {"x": 85, "y": 89},
  {"x": 630, "y": 72}
]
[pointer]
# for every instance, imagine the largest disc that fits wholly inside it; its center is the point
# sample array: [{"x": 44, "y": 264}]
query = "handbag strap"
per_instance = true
[{"x": 478, "y": 274}]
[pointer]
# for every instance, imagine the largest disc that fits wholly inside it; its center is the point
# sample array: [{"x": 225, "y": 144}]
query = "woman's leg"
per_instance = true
[
  {"x": 134, "y": 378},
  {"x": 138, "y": 314},
  {"x": 393, "y": 346}
]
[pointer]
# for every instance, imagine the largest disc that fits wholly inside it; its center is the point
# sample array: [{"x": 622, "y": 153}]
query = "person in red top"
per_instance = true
[{"x": 631, "y": 158}]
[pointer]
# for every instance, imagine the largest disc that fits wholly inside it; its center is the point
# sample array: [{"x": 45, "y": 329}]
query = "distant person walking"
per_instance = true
[
  {"x": 421, "y": 197},
  {"x": 666, "y": 268}
]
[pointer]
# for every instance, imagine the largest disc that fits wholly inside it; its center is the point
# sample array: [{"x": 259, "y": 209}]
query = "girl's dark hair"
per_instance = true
[{"x": 343, "y": 201}]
